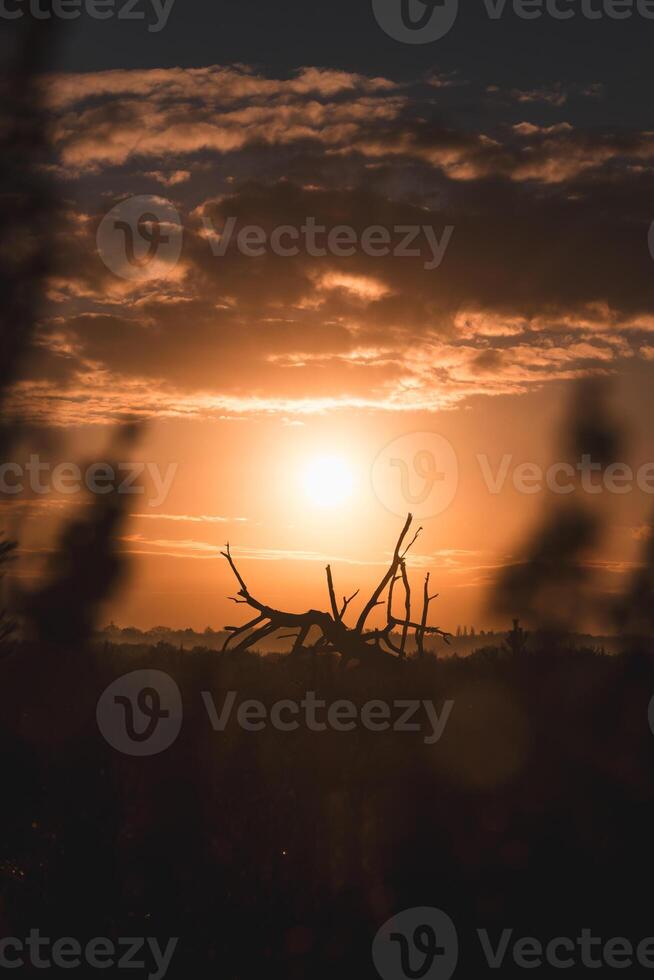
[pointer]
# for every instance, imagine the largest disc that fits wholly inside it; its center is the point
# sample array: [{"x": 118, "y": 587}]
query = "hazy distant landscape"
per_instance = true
[{"x": 458, "y": 646}]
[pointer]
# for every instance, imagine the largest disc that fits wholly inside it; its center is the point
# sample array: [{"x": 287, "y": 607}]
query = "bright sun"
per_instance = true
[{"x": 327, "y": 481}]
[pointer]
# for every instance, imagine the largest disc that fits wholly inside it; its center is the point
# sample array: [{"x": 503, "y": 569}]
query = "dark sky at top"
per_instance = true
[{"x": 279, "y": 37}]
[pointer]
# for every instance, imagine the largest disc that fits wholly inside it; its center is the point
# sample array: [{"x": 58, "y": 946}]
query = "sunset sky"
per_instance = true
[{"x": 255, "y": 375}]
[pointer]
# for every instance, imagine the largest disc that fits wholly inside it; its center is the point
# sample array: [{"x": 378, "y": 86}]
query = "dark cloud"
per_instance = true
[{"x": 547, "y": 273}]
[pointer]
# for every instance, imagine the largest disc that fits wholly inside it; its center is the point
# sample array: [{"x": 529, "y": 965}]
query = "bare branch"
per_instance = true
[
  {"x": 411, "y": 542},
  {"x": 407, "y": 607},
  {"x": 237, "y": 630},
  {"x": 321, "y": 644},
  {"x": 389, "y": 609},
  {"x": 417, "y": 626},
  {"x": 390, "y": 574},
  {"x": 300, "y": 638},
  {"x": 228, "y": 555},
  {"x": 386, "y": 637},
  {"x": 332, "y": 594},
  {"x": 420, "y": 633},
  {"x": 346, "y": 603},
  {"x": 259, "y": 634}
]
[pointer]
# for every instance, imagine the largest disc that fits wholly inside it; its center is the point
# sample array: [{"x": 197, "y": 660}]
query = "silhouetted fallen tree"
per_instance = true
[{"x": 334, "y": 635}]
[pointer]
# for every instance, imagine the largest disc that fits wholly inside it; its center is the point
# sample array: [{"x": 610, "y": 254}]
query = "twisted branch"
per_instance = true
[{"x": 333, "y": 634}]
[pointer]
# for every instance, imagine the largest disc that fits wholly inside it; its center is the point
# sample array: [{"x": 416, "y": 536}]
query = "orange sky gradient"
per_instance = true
[{"x": 243, "y": 369}]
